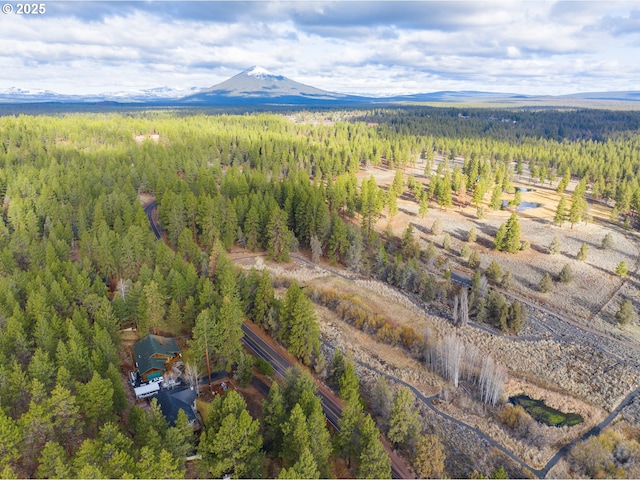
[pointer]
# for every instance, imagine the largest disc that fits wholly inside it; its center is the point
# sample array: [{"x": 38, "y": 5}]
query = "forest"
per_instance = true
[{"x": 79, "y": 263}]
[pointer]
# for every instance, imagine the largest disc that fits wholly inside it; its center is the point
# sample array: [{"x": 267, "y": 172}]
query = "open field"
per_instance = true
[
  {"x": 594, "y": 279},
  {"x": 568, "y": 376}
]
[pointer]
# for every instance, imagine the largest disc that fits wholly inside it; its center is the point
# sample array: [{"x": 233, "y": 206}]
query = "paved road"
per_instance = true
[
  {"x": 333, "y": 407},
  {"x": 281, "y": 361}
]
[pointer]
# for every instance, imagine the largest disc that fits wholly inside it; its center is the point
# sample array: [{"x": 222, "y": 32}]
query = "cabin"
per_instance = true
[{"x": 154, "y": 356}]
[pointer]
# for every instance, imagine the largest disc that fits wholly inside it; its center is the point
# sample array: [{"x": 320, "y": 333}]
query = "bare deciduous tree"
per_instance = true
[
  {"x": 191, "y": 376},
  {"x": 123, "y": 287},
  {"x": 461, "y": 308},
  {"x": 316, "y": 249}
]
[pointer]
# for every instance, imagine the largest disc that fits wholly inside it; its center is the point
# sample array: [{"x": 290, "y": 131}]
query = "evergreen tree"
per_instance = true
[
  {"x": 494, "y": 272},
  {"x": 280, "y": 240},
  {"x": 374, "y": 461},
  {"x": 349, "y": 384},
  {"x": 583, "y": 252},
  {"x": 555, "y": 246},
  {"x": 370, "y": 204},
  {"x": 273, "y": 417},
  {"x": 621, "y": 269},
  {"x": 546, "y": 284},
  {"x": 409, "y": 245},
  {"x": 626, "y": 313},
  {"x": 404, "y": 418},
  {"x": 295, "y": 434},
  {"x": 300, "y": 329},
  {"x": 264, "y": 298},
  {"x": 496, "y": 196},
  {"x": 305, "y": 467},
  {"x": 561, "y": 212},
  {"x": 566, "y": 274},
  {"x": 429, "y": 457},
  {"x": 234, "y": 449},
  {"x": 338, "y": 241},
  {"x": 472, "y": 235},
  {"x": 508, "y": 235},
  {"x": 607, "y": 242}
]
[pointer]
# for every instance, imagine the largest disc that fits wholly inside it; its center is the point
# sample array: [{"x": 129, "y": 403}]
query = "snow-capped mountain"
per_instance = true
[{"x": 259, "y": 85}]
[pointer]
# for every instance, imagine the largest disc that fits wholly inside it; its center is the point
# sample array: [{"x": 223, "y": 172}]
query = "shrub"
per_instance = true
[
  {"x": 625, "y": 314},
  {"x": 607, "y": 242},
  {"x": 546, "y": 283},
  {"x": 566, "y": 274},
  {"x": 472, "y": 235},
  {"x": 474, "y": 260},
  {"x": 494, "y": 272},
  {"x": 263, "y": 367},
  {"x": 388, "y": 334},
  {"x": 465, "y": 251},
  {"x": 436, "y": 227},
  {"x": 555, "y": 246},
  {"x": 622, "y": 270},
  {"x": 582, "y": 253}
]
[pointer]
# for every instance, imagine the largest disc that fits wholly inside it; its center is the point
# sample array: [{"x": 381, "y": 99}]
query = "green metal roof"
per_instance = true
[{"x": 151, "y": 345}]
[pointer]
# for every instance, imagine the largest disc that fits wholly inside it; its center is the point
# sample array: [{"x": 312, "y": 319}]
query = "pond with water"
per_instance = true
[
  {"x": 522, "y": 206},
  {"x": 545, "y": 414}
]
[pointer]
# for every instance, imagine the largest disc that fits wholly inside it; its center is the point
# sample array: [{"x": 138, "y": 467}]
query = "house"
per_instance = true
[
  {"x": 154, "y": 356},
  {"x": 172, "y": 401}
]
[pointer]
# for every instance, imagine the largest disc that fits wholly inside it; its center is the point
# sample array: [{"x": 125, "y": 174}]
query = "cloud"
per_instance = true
[{"x": 387, "y": 47}]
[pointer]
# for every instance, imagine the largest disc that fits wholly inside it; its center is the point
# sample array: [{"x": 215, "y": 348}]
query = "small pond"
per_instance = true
[
  {"x": 527, "y": 205},
  {"x": 544, "y": 414},
  {"x": 522, "y": 206},
  {"x": 524, "y": 189}
]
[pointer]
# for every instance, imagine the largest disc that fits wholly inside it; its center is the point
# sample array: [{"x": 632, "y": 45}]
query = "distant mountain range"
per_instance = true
[{"x": 258, "y": 86}]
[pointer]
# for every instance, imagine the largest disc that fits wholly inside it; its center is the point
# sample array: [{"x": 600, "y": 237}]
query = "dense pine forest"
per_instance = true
[{"x": 79, "y": 264}]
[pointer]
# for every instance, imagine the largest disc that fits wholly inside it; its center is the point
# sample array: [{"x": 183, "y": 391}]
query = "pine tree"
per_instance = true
[
  {"x": 273, "y": 417},
  {"x": 429, "y": 457},
  {"x": 423, "y": 205},
  {"x": 561, "y": 212},
  {"x": 304, "y": 468},
  {"x": 263, "y": 299},
  {"x": 409, "y": 245},
  {"x": 508, "y": 235},
  {"x": 566, "y": 274},
  {"x": 295, "y": 435},
  {"x": 404, "y": 418},
  {"x": 621, "y": 269},
  {"x": 370, "y": 204},
  {"x": 607, "y": 242},
  {"x": 555, "y": 246},
  {"x": 374, "y": 461},
  {"x": 546, "y": 284},
  {"x": 626, "y": 313},
  {"x": 280, "y": 240},
  {"x": 234, "y": 449},
  {"x": 300, "y": 329},
  {"x": 583, "y": 252},
  {"x": 10, "y": 438},
  {"x": 338, "y": 241},
  {"x": 577, "y": 210},
  {"x": 349, "y": 384},
  {"x": 252, "y": 229},
  {"x": 496, "y": 196},
  {"x": 472, "y": 235},
  {"x": 494, "y": 272}
]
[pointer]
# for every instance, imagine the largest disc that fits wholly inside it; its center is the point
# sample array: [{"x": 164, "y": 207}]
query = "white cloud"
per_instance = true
[{"x": 377, "y": 47}]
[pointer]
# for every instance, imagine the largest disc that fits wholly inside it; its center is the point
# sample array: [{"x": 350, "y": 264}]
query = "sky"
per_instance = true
[{"x": 361, "y": 47}]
